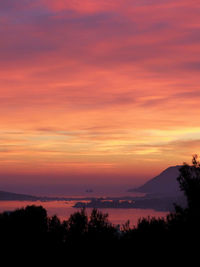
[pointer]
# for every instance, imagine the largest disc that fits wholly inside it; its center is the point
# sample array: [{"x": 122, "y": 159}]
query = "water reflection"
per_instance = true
[{"x": 63, "y": 209}]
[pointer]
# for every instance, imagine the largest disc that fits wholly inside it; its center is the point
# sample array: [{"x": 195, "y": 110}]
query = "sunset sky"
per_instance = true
[{"x": 98, "y": 91}]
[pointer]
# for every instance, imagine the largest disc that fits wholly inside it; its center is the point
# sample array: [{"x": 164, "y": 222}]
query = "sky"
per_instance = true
[{"x": 97, "y": 91}]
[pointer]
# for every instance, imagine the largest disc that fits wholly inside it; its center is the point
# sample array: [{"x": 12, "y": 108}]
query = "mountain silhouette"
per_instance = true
[{"x": 164, "y": 184}]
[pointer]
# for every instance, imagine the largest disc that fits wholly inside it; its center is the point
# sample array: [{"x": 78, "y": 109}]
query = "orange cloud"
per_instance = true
[{"x": 98, "y": 87}]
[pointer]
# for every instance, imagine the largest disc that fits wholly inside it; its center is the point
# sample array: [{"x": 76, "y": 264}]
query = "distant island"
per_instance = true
[
  {"x": 89, "y": 191},
  {"x": 147, "y": 202}
]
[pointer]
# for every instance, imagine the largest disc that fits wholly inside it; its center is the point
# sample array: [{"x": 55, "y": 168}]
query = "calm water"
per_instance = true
[{"x": 64, "y": 209}]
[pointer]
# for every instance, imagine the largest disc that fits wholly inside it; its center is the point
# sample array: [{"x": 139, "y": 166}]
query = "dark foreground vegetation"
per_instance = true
[{"x": 30, "y": 229}]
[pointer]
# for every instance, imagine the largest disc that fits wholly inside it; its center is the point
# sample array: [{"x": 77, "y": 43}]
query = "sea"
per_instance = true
[{"x": 63, "y": 209}]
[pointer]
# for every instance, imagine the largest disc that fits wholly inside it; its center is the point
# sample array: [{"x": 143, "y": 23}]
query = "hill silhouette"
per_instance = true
[
  {"x": 10, "y": 196},
  {"x": 163, "y": 184},
  {"x": 13, "y": 196}
]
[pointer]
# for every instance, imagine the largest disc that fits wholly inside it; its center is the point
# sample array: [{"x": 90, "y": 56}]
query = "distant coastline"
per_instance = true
[
  {"x": 157, "y": 203},
  {"x": 9, "y": 196}
]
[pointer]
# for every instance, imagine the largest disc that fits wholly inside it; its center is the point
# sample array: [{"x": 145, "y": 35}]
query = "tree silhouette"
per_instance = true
[
  {"x": 184, "y": 224},
  {"x": 77, "y": 226},
  {"x": 26, "y": 227},
  {"x": 189, "y": 181},
  {"x": 99, "y": 227}
]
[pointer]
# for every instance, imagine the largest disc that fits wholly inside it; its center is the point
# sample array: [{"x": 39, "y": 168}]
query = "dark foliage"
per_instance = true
[{"x": 31, "y": 228}]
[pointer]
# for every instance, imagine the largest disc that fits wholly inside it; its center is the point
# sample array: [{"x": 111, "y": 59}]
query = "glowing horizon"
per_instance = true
[{"x": 104, "y": 88}]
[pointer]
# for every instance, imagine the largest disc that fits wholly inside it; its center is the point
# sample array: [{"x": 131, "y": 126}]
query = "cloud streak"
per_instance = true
[{"x": 89, "y": 81}]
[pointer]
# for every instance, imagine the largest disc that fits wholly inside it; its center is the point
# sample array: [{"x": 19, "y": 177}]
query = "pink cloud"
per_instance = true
[{"x": 111, "y": 65}]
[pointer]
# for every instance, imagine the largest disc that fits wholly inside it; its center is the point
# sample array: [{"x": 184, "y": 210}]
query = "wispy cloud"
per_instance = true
[{"x": 111, "y": 83}]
